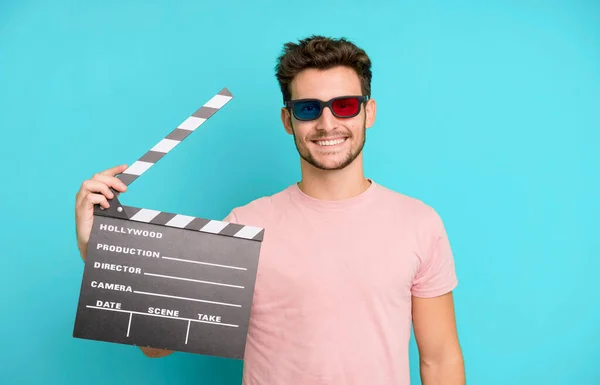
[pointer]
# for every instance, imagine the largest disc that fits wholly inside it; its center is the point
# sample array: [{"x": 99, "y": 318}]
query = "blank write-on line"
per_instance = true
[
  {"x": 203, "y": 263},
  {"x": 129, "y": 325},
  {"x": 186, "y": 298},
  {"x": 187, "y": 333},
  {"x": 193, "y": 280}
]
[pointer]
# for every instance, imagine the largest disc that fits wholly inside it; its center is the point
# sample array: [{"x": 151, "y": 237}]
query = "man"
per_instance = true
[{"x": 346, "y": 264}]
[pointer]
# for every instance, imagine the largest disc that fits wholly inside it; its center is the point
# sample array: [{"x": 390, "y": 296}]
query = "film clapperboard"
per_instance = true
[{"x": 168, "y": 281}]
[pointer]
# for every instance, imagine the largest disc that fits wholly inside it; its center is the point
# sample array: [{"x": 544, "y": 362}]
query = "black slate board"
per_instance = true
[{"x": 208, "y": 279}]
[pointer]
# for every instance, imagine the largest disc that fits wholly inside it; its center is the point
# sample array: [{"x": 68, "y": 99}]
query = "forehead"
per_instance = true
[{"x": 325, "y": 84}]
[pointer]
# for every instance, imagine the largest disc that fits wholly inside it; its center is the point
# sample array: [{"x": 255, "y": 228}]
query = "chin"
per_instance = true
[{"x": 329, "y": 163}]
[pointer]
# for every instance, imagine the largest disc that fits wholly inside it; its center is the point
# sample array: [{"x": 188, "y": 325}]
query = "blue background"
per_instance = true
[{"x": 488, "y": 111}]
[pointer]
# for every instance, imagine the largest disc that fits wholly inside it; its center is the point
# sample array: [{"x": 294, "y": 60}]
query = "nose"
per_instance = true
[{"x": 327, "y": 121}]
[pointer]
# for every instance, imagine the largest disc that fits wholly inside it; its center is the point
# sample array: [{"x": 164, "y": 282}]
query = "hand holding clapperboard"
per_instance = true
[{"x": 168, "y": 281}]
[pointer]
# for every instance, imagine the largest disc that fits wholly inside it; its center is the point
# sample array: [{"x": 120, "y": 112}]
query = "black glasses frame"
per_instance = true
[{"x": 361, "y": 99}]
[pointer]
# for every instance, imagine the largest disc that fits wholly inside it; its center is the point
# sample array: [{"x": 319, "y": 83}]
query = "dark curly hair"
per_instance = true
[{"x": 321, "y": 53}]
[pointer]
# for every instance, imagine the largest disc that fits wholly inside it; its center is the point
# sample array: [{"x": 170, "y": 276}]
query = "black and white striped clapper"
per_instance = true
[{"x": 164, "y": 280}]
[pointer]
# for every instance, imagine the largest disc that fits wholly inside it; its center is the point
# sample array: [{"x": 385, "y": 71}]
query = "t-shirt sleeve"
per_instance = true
[{"x": 436, "y": 274}]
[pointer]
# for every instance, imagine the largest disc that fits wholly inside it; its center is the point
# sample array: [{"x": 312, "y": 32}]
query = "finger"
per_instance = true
[
  {"x": 93, "y": 186},
  {"x": 96, "y": 199},
  {"x": 111, "y": 181},
  {"x": 114, "y": 170}
]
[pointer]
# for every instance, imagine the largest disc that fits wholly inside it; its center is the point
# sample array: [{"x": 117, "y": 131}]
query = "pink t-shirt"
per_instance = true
[{"x": 332, "y": 301}]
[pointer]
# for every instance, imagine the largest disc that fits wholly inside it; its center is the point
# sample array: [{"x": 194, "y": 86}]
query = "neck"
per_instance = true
[{"x": 333, "y": 185}]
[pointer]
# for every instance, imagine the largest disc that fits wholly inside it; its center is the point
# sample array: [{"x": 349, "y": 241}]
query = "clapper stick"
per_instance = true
[
  {"x": 176, "y": 136},
  {"x": 155, "y": 154},
  {"x": 165, "y": 280}
]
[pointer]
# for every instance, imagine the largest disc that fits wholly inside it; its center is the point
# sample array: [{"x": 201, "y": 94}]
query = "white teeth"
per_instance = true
[{"x": 329, "y": 142}]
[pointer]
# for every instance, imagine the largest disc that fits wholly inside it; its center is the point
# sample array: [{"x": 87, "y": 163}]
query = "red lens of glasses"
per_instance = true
[{"x": 345, "y": 106}]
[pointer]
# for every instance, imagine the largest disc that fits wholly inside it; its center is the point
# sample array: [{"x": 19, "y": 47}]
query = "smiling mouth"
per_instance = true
[{"x": 329, "y": 142}]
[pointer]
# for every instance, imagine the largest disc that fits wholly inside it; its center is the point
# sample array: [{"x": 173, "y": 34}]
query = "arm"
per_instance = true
[{"x": 441, "y": 360}]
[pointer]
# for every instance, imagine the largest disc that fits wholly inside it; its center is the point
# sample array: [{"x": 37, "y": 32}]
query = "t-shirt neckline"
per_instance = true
[{"x": 307, "y": 200}]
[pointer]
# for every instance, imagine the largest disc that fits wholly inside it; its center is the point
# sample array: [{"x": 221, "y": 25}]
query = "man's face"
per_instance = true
[{"x": 328, "y": 142}]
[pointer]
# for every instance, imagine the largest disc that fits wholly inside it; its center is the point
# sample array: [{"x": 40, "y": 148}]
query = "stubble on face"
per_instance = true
[{"x": 343, "y": 160}]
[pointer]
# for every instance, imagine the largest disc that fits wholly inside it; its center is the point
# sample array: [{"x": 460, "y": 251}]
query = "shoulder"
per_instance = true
[
  {"x": 407, "y": 206},
  {"x": 414, "y": 217}
]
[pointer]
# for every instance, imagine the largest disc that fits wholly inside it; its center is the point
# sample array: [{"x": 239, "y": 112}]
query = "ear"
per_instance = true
[
  {"x": 371, "y": 111},
  {"x": 286, "y": 119}
]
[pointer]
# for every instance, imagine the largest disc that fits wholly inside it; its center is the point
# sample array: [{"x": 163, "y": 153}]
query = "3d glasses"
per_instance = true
[{"x": 311, "y": 109}]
